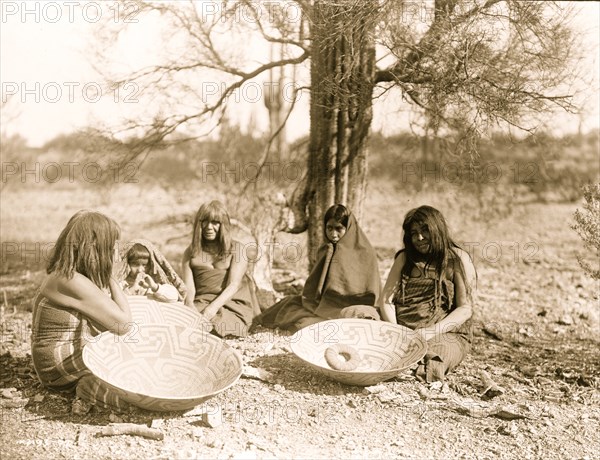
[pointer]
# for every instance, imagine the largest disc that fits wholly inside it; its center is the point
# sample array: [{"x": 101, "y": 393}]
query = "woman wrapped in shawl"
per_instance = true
[
  {"x": 214, "y": 270},
  {"x": 147, "y": 272},
  {"x": 430, "y": 288},
  {"x": 345, "y": 275}
]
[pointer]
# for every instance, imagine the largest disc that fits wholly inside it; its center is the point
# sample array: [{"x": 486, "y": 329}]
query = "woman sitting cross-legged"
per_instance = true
[
  {"x": 79, "y": 299},
  {"x": 214, "y": 270},
  {"x": 430, "y": 288},
  {"x": 345, "y": 275}
]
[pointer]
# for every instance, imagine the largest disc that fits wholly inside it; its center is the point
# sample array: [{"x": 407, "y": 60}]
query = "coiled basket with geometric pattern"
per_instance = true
[
  {"x": 164, "y": 367},
  {"x": 384, "y": 349}
]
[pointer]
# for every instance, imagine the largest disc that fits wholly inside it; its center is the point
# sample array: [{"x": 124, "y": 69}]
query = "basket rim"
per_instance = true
[
  {"x": 234, "y": 352},
  {"x": 416, "y": 336}
]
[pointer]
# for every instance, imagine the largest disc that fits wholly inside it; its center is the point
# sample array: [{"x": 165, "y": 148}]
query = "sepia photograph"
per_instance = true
[{"x": 299, "y": 229}]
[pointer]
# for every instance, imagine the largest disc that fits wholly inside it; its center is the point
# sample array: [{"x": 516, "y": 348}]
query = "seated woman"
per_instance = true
[
  {"x": 430, "y": 288},
  {"x": 214, "y": 270},
  {"x": 79, "y": 299},
  {"x": 345, "y": 274},
  {"x": 146, "y": 271}
]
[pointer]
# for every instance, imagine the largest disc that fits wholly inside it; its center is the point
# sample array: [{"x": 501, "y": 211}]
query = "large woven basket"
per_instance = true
[
  {"x": 163, "y": 367},
  {"x": 148, "y": 311},
  {"x": 384, "y": 349}
]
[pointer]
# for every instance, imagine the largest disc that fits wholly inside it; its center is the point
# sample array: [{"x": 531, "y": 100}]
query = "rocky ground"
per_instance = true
[{"x": 536, "y": 339}]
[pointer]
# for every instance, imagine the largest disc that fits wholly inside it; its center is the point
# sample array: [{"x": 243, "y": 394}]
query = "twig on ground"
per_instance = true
[
  {"x": 482, "y": 412},
  {"x": 116, "y": 429},
  {"x": 493, "y": 331}
]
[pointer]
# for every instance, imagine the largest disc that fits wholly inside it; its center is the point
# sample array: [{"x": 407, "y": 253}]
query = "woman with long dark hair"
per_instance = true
[
  {"x": 79, "y": 298},
  {"x": 430, "y": 288},
  {"x": 214, "y": 271}
]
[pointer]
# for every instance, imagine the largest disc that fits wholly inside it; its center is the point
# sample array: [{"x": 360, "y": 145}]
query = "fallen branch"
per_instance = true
[
  {"x": 482, "y": 412},
  {"x": 493, "y": 331},
  {"x": 116, "y": 429}
]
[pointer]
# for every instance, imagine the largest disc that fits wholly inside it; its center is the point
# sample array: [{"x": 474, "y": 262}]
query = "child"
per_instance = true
[
  {"x": 147, "y": 272},
  {"x": 345, "y": 274},
  {"x": 430, "y": 289}
]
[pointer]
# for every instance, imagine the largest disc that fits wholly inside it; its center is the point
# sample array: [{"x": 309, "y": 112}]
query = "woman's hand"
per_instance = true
[
  {"x": 386, "y": 306},
  {"x": 209, "y": 312},
  {"x": 188, "y": 278},
  {"x": 236, "y": 272},
  {"x": 388, "y": 313}
]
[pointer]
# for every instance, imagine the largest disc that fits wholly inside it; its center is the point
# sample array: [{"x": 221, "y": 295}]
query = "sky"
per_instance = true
[{"x": 50, "y": 86}]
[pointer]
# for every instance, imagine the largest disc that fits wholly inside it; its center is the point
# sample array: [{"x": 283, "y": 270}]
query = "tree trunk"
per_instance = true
[{"x": 342, "y": 80}]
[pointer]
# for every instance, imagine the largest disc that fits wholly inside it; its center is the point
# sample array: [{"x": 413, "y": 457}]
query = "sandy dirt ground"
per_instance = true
[{"x": 536, "y": 337}]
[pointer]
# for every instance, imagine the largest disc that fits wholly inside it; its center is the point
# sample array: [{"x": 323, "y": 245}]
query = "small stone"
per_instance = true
[
  {"x": 386, "y": 396},
  {"x": 374, "y": 389},
  {"x": 14, "y": 403},
  {"x": 507, "y": 430},
  {"x": 213, "y": 418},
  {"x": 436, "y": 385},
  {"x": 114, "y": 418},
  {"x": 157, "y": 423},
  {"x": 257, "y": 373},
  {"x": 565, "y": 320},
  {"x": 197, "y": 432},
  {"x": 80, "y": 407},
  {"x": 9, "y": 393}
]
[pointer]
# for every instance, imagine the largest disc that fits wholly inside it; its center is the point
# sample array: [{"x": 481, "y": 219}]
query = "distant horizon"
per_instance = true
[
  {"x": 58, "y": 91},
  {"x": 593, "y": 131}
]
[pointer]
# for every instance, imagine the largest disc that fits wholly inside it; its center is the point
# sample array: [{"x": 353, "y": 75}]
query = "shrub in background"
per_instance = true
[{"x": 587, "y": 224}]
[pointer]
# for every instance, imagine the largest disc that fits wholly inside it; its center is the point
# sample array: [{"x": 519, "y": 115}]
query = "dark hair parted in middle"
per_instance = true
[
  {"x": 213, "y": 211},
  {"x": 337, "y": 212}
]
